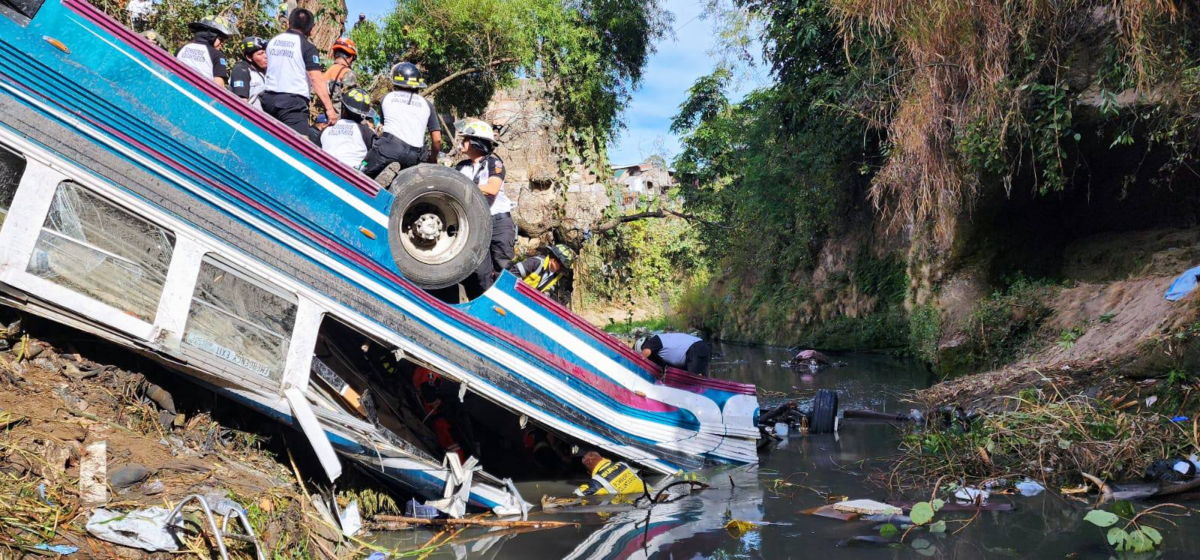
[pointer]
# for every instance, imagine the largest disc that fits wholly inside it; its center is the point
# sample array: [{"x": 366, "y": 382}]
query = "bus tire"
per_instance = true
[
  {"x": 439, "y": 226},
  {"x": 824, "y": 412}
]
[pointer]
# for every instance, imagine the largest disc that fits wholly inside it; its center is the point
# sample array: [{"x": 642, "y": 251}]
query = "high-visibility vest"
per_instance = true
[
  {"x": 542, "y": 278},
  {"x": 612, "y": 478}
]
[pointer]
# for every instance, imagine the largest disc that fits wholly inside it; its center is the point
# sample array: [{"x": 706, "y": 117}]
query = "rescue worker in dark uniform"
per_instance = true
[
  {"x": 678, "y": 350},
  {"x": 248, "y": 79},
  {"x": 318, "y": 126},
  {"x": 609, "y": 478},
  {"x": 203, "y": 54},
  {"x": 428, "y": 383},
  {"x": 407, "y": 116},
  {"x": 542, "y": 273},
  {"x": 293, "y": 73},
  {"x": 351, "y": 138},
  {"x": 486, "y": 169},
  {"x": 340, "y": 77}
]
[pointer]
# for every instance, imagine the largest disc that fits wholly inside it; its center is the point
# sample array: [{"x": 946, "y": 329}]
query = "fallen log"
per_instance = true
[
  {"x": 473, "y": 522},
  {"x": 872, "y": 415}
]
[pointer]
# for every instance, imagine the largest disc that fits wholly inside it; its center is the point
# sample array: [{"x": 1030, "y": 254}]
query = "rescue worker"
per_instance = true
[
  {"x": 293, "y": 73},
  {"x": 486, "y": 169},
  {"x": 351, "y": 138},
  {"x": 318, "y": 126},
  {"x": 362, "y": 18},
  {"x": 679, "y": 350},
  {"x": 248, "y": 79},
  {"x": 609, "y": 477},
  {"x": 203, "y": 54},
  {"x": 542, "y": 273},
  {"x": 406, "y": 118},
  {"x": 428, "y": 383},
  {"x": 340, "y": 76}
]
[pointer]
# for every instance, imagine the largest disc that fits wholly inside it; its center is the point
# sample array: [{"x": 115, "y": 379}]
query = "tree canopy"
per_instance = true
[{"x": 591, "y": 52}]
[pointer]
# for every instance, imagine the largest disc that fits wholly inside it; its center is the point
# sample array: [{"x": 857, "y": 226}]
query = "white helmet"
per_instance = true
[
  {"x": 478, "y": 129},
  {"x": 637, "y": 345}
]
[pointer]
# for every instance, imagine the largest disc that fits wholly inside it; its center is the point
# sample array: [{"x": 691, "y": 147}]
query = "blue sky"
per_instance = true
[{"x": 679, "y": 60}]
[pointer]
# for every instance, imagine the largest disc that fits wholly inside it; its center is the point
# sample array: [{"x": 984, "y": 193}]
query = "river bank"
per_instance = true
[{"x": 73, "y": 407}]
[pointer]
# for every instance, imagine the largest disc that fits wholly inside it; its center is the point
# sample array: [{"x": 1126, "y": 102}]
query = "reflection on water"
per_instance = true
[{"x": 1045, "y": 526}]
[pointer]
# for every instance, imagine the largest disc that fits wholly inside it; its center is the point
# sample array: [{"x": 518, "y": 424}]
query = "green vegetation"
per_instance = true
[
  {"x": 1005, "y": 323},
  {"x": 593, "y": 51},
  {"x": 171, "y": 19},
  {"x": 904, "y": 115},
  {"x": 645, "y": 263},
  {"x": 1070, "y": 434},
  {"x": 628, "y": 326},
  {"x": 924, "y": 329}
]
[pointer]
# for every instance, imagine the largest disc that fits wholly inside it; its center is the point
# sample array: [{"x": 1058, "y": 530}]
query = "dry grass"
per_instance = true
[{"x": 1047, "y": 435}]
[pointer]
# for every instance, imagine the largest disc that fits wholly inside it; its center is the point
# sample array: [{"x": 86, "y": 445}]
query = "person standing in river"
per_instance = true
[{"x": 678, "y": 350}]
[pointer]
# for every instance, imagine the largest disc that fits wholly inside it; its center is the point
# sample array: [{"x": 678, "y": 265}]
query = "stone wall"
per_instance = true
[{"x": 557, "y": 180}]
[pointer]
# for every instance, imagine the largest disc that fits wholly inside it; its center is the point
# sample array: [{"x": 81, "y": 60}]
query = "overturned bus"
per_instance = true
[{"x": 143, "y": 204}]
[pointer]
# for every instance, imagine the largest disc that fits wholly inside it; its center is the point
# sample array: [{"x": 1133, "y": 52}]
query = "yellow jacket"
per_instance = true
[{"x": 612, "y": 478}]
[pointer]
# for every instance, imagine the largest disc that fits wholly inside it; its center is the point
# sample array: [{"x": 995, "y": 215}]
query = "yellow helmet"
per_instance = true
[{"x": 478, "y": 129}]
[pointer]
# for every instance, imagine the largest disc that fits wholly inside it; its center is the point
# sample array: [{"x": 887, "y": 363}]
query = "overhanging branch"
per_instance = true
[
  {"x": 438, "y": 84},
  {"x": 660, "y": 213}
]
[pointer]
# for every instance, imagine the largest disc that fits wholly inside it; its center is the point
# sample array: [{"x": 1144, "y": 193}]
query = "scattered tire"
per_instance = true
[
  {"x": 439, "y": 226},
  {"x": 824, "y": 412}
]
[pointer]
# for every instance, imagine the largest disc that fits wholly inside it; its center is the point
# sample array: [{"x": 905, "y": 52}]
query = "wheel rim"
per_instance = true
[{"x": 434, "y": 228}]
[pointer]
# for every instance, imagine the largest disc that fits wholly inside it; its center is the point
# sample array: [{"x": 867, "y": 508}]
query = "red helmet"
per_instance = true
[{"x": 345, "y": 45}]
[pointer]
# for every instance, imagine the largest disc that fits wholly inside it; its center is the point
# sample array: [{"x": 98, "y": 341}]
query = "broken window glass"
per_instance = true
[
  {"x": 103, "y": 251},
  {"x": 12, "y": 167},
  {"x": 240, "y": 319}
]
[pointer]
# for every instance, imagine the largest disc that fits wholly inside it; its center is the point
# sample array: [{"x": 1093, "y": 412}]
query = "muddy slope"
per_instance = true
[
  {"x": 1110, "y": 329},
  {"x": 164, "y": 439}
]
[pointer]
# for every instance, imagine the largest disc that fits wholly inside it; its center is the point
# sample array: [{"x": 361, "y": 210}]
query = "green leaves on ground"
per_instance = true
[
  {"x": 887, "y": 531},
  {"x": 1101, "y": 518},
  {"x": 1124, "y": 508},
  {"x": 1131, "y": 538},
  {"x": 1143, "y": 539},
  {"x": 922, "y": 513}
]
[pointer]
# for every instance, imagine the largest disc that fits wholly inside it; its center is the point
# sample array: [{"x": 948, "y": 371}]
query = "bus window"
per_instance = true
[
  {"x": 102, "y": 251},
  {"x": 20, "y": 11},
  {"x": 240, "y": 320},
  {"x": 12, "y": 167}
]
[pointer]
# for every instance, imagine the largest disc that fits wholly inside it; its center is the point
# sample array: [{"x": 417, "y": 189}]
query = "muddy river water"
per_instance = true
[{"x": 1044, "y": 526}]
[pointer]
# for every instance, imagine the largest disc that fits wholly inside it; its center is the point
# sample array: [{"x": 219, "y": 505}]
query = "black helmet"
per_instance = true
[
  {"x": 357, "y": 101},
  {"x": 252, "y": 45},
  {"x": 407, "y": 75},
  {"x": 215, "y": 24},
  {"x": 564, "y": 255}
]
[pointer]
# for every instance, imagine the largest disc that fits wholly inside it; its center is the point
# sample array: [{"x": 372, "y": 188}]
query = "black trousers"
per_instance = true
[
  {"x": 387, "y": 149},
  {"x": 500, "y": 253},
  {"x": 698, "y": 356},
  {"x": 287, "y": 108}
]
